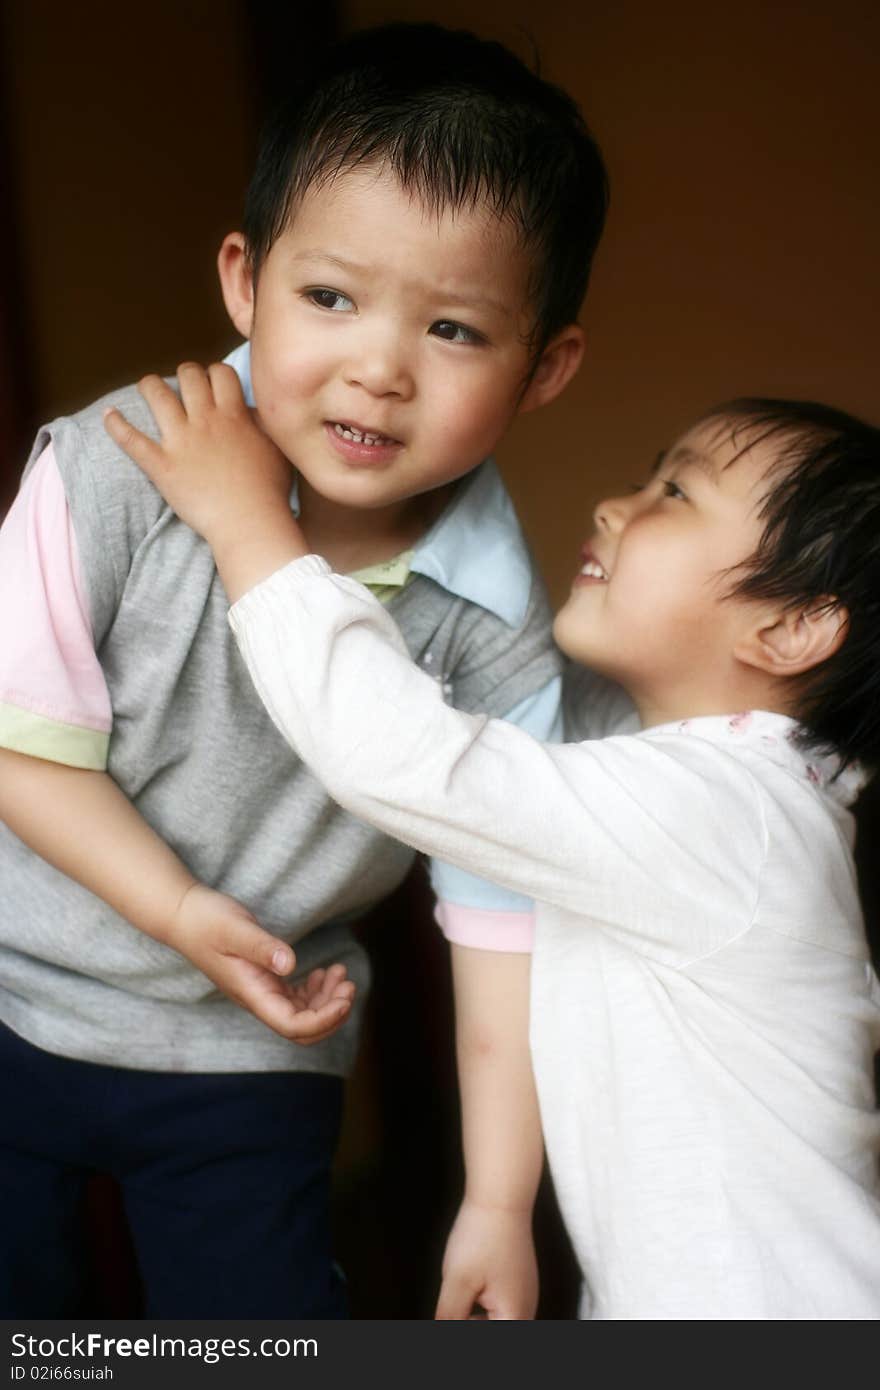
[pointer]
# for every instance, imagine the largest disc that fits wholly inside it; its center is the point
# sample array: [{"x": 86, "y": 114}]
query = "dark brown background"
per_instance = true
[{"x": 740, "y": 257}]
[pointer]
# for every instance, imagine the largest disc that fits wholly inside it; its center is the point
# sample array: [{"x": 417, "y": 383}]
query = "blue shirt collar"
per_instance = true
[{"x": 475, "y": 549}]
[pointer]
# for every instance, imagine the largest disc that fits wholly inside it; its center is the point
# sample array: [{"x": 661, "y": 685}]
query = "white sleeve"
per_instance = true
[
  {"x": 605, "y": 827},
  {"x": 471, "y": 911}
]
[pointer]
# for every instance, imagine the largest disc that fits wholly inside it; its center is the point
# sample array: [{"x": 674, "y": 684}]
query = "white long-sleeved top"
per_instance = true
[{"x": 704, "y": 1012}]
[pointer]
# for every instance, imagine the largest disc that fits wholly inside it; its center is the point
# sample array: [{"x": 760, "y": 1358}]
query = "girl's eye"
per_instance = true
[
  {"x": 671, "y": 489},
  {"x": 330, "y": 299},
  {"x": 452, "y": 332}
]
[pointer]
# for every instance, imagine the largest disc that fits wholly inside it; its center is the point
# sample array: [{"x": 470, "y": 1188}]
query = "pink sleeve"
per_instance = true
[
  {"x": 484, "y": 929},
  {"x": 53, "y": 696}
]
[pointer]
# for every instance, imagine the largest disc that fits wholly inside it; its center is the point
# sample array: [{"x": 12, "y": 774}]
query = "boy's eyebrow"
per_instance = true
[
  {"x": 327, "y": 256},
  {"x": 456, "y": 296}
]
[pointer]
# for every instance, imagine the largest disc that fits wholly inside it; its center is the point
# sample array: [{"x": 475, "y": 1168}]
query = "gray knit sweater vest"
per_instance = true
[{"x": 194, "y": 750}]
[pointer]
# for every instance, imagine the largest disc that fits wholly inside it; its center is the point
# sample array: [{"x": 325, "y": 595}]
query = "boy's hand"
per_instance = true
[
  {"x": 489, "y": 1262},
  {"x": 248, "y": 964},
  {"x": 213, "y": 465}
]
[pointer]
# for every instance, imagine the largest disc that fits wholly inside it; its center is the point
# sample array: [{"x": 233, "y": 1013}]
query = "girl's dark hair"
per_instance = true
[
  {"x": 461, "y": 121},
  {"x": 821, "y": 544}
]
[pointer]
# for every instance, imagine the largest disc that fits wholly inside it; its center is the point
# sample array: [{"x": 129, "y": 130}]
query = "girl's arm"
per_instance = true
[
  {"x": 590, "y": 827},
  {"x": 329, "y": 663},
  {"x": 490, "y": 1257}
]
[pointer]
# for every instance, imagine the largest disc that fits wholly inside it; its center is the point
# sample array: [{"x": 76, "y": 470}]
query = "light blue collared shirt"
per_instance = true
[{"x": 475, "y": 550}]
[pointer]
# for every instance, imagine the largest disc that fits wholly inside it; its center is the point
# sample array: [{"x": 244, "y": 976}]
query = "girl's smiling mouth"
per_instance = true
[{"x": 591, "y": 571}]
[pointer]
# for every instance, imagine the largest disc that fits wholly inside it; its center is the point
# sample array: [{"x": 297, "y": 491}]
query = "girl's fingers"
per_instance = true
[
  {"x": 146, "y": 453},
  {"x": 165, "y": 404},
  {"x": 226, "y": 387},
  {"x": 196, "y": 391}
]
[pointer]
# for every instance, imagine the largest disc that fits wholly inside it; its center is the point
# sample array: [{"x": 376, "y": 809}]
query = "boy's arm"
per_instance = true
[
  {"x": 489, "y": 1256},
  {"x": 490, "y": 1259},
  {"x": 81, "y": 822},
  {"x": 54, "y": 707}
]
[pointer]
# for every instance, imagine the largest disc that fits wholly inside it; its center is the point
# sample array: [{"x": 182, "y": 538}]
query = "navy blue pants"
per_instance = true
[{"x": 225, "y": 1181}]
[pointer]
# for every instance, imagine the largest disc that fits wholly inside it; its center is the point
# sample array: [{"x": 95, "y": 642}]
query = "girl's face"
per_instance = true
[{"x": 649, "y": 607}]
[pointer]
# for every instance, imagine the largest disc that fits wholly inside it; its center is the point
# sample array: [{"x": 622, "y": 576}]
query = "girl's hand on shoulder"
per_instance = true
[{"x": 213, "y": 464}]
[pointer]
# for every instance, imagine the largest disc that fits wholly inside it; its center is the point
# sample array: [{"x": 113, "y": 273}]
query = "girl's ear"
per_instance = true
[
  {"x": 792, "y": 642},
  {"x": 237, "y": 282},
  {"x": 555, "y": 368}
]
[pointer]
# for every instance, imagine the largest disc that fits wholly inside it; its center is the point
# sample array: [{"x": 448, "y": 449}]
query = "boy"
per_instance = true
[
  {"x": 416, "y": 246},
  {"x": 704, "y": 1013}
]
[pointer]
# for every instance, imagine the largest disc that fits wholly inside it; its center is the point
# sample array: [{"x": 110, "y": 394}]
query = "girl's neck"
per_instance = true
[{"x": 735, "y": 697}]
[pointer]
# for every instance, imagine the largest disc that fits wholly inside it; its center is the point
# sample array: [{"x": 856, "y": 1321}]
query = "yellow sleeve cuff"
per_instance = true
[{"x": 21, "y": 731}]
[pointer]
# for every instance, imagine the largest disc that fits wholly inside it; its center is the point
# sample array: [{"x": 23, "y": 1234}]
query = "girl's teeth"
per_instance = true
[
  {"x": 345, "y": 432},
  {"x": 594, "y": 570}
]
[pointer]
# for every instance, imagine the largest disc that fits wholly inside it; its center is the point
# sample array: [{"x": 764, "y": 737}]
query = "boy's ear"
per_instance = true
[
  {"x": 555, "y": 368},
  {"x": 792, "y": 642},
  {"x": 237, "y": 282}
]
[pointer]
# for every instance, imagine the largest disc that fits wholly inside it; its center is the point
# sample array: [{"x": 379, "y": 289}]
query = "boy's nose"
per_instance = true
[{"x": 381, "y": 370}]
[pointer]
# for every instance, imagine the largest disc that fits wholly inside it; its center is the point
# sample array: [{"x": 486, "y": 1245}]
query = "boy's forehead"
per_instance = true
[
  {"x": 377, "y": 180},
  {"x": 364, "y": 219}
]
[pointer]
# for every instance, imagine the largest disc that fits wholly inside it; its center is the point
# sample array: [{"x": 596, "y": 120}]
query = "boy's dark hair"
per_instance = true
[
  {"x": 821, "y": 541},
  {"x": 460, "y": 121}
]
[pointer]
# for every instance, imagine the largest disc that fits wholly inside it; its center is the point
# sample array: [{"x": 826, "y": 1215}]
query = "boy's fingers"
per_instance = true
[
  {"x": 336, "y": 986},
  {"x": 196, "y": 391},
  {"x": 252, "y": 942},
  {"x": 314, "y": 1025},
  {"x": 146, "y": 453},
  {"x": 456, "y": 1300},
  {"x": 282, "y": 1010},
  {"x": 325, "y": 986},
  {"x": 226, "y": 387},
  {"x": 282, "y": 959}
]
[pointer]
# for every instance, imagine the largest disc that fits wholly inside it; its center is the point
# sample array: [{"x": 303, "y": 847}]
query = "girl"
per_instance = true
[{"x": 704, "y": 1014}]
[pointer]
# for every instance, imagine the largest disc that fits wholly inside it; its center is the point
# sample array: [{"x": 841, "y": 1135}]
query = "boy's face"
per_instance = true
[
  {"x": 649, "y": 607},
  {"x": 388, "y": 350}
]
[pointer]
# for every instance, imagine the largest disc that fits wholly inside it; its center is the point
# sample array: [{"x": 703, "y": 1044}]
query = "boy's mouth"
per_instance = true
[{"x": 356, "y": 435}]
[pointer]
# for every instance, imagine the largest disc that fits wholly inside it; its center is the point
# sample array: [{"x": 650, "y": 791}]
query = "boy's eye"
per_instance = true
[
  {"x": 330, "y": 299},
  {"x": 452, "y": 332}
]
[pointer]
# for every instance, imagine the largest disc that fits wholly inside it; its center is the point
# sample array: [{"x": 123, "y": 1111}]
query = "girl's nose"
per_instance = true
[{"x": 611, "y": 513}]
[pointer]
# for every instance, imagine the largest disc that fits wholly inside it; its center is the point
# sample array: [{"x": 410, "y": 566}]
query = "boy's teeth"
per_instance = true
[
  {"x": 594, "y": 570},
  {"x": 346, "y": 432}
]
